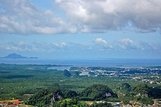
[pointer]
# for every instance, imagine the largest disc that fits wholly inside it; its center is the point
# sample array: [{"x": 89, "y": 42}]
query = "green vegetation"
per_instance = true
[
  {"x": 126, "y": 87},
  {"x": 102, "y": 105},
  {"x": 17, "y": 80},
  {"x": 69, "y": 103},
  {"x": 142, "y": 93},
  {"x": 142, "y": 89},
  {"x": 55, "y": 96},
  {"x": 44, "y": 96},
  {"x": 67, "y": 73},
  {"x": 97, "y": 92},
  {"x": 38, "y": 85}
]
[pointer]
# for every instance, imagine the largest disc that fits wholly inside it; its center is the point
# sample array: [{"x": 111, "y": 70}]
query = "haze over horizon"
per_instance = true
[{"x": 81, "y": 29}]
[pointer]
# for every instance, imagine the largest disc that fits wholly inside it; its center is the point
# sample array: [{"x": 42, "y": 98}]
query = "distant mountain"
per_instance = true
[{"x": 17, "y": 56}]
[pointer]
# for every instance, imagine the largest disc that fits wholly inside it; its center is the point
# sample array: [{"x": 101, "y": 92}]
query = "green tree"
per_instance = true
[
  {"x": 126, "y": 87},
  {"x": 45, "y": 96},
  {"x": 102, "y": 105},
  {"x": 67, "y": 73},
  {"x": 70, "y": 94},
  {"x": 97, "y": 92},
  {"x": 142, "y": 89}
]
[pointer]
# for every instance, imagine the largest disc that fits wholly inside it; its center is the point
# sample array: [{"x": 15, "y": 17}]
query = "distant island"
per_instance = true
[{"x": 18, "y": 56}]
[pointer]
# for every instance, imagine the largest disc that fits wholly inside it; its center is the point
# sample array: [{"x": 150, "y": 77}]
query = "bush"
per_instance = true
[
  {"x": 69, "y": 103},
  {"x": 102, "y": 105},
  {"x": 70, "y": 94}
]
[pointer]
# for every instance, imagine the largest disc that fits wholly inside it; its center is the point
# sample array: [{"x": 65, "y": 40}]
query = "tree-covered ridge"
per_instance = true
[
  {"x": 97, "y": 92},
  {"x": 56, "y": 96},
  {"x": 45, "y": 96},
  {"x": 141, "y": 93}
]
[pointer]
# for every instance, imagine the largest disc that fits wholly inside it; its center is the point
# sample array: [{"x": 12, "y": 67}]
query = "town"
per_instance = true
[{"x": 145, "y": 74}]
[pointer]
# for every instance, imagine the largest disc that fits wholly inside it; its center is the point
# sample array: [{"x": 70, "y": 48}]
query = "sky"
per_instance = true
[{"x": 81, "y": 29}]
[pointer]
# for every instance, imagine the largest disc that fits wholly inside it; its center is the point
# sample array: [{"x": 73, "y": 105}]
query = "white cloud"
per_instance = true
[
  {"x": 125, "y": 45},
  {"x": 129, "y": 44},
  {"x": 103, "y": 15},
  {"x": 22, "y": 46},
  {"x": 102, "y": 42},
  {"x": 22, "y": 17},
  {"x": 60, "y": 45},
  {"x": 16, "y": 46},
  {"x": 122, "y": 44}
]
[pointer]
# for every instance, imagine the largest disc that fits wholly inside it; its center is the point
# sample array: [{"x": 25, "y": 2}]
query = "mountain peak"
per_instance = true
[
  {"x": 17, "y": 56},
  {"x": 14, "y": 55}
]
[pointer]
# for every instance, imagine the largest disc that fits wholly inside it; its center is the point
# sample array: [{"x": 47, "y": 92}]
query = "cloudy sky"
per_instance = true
[{"x": 81, "y": 29}]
